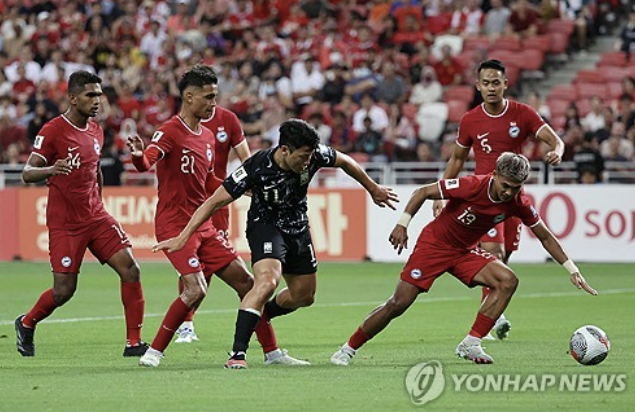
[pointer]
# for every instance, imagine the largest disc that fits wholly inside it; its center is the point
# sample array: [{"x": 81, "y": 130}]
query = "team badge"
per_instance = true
[
  {"x": 209, "y": 153},
  {"x": 267, "y": 247},
  {"x": 514, "y": 130},
  {"x": 415, "y": 273},
  {"x": 492, "y": 232},
  {"x": 193, "y": 262},
  {"x": 66, "y": 261},
  {"x": 304, "y": 177},
  {"x": 451, "y": 184},
  {"x": 221, "y": 135},
  {"x": 96, "y": 146},
  {"x": 499, "y": 218}
]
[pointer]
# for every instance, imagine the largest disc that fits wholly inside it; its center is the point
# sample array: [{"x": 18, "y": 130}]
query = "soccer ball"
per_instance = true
[{"x": 589, "y": 345}]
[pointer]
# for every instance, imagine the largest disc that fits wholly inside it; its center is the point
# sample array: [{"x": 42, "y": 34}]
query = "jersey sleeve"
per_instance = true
[
  {"x": 532, "y": 119},
  {"x": 463, "y": 137},
  {"x": 527, "y": 212},
  {"x": 461, "y": 188},
  {"x": 163, "y": 141},
  {"x": 325, "y": 155},
  {"x": 240, "y": 180},
  {"x": 44, "y": 144},
  {"x": 236, "y": 134}
]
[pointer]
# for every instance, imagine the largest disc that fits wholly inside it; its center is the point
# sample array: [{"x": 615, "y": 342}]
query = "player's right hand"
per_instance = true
[
  {"x": 136, "y": 145},
  {"x": 61, "y": 167},
  {"x": 170, "y": 245},
  {"x": 437, "y": 207},
  {"x": 399, "y": 238},
  {"x": 578, "y": 280}
]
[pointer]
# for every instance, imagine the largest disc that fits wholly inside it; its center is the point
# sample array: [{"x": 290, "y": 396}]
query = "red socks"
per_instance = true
[
  {"x": 133, "y": 304},
  {"x": 171, "y": 322},
  {"x": 358, "y": 338},
  {"x": 44, "y": 306},
  {"x": 265, "y": 334},
  {"x": 482, "y": 325}
]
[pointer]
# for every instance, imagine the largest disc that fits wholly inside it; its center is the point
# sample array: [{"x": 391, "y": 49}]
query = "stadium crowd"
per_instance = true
[{"x": 373, "y": 77}]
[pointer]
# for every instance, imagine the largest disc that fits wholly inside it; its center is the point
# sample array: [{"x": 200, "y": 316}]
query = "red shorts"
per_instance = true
[
  {"x": 206, "y": 250},
  {"x": 103, "y": 237},
  {"x": 429, "y": 260},
  {"x": 507, "y": 232},
  {"x": 220, "y": 220}
]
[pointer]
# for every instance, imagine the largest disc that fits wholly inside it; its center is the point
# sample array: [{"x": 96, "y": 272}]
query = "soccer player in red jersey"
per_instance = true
[
  {"x": 225, "y": 127},
  {"x": 449, "y": 244},
  {"x": 183, "y": 150},
  {"x": 498, "y": 125},
  {"x": 66, "y": 151}
]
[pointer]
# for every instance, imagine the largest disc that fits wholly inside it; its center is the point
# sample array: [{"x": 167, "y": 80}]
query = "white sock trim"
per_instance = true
[{"x": 254, "y": 311}]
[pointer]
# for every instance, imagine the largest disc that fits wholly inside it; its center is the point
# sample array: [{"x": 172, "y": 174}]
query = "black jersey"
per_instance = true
[{"x": 279, "y": 197}]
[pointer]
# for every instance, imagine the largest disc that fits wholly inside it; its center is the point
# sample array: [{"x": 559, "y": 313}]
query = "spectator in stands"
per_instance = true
[
  {"x": 448, "y": 69},
  {"x": 13, "y": 164},
  {"x": 589, "y": 163},
  {"x": 370, "y": 142},
  {"x": 324, "y": 131},
  {"x": 10, "y": 133},
  {"x": 424, "y": 173},
  {"x": 496, "y": 19},
  {"x": 582, "y": 17},
  {"x": 428, "y": 89},
  {"x": 342, "y": 135},
  {"x": 571, "y": 117},
  {"x": 275, "y": 83},
  {"x": 315, "y": 8},
  {"x": 306, "y": 81},
  {"x": 7, "y": 108},
  {"x": 523, "y": 21},
  {"x": 361, "y": 82},
  {"x": 604, "y": 133},
  {"x": 534, "y": 100},
  {"x": 626, "y": 42},
  {"x": 617, "y": 145},
  {"x": 391, "y": 87},
  {"x": 335, "y": 86},
  {"x": 400, "y": 136},
  {"x": 626, "y": 113},
  {"x": 594, "y": 120},
  {"x": 369, "y": 109}
]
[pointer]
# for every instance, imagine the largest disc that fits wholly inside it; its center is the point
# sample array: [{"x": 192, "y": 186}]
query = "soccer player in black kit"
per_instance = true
[{"x": 278, "y": 224}]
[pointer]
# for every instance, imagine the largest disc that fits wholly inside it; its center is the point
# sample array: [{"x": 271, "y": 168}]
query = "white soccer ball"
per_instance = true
[{"x": 589, "y": 345}]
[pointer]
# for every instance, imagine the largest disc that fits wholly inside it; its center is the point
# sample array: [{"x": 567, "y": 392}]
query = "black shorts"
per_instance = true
[{"x": 295, "y": 252}]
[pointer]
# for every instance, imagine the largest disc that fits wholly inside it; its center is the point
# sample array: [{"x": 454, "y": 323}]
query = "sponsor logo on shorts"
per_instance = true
[
  {"x": 415, "y": 273},
  {"x": 193, "y": 262},
  {"x": 267, "y": 247},
  {"x": 492, "y": 232},
  {"x": 66, "y": 261}
]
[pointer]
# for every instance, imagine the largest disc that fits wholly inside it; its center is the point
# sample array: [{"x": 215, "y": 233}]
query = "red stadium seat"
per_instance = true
[
  {"x": 615, "y": 74},
  {"x": 588, "y": 90},
  {"x": 462, "y": 93},
  {"x": 561, "y": 26},
  {"x": 512, "y": 73},
  {"x": 558, "y": 107},
  {"x": 540, "y": 42},
  {"x": 584, "y": 106},
  {"x": 531, "y": 59},
  {"x": 475, "y": 43},
  {"x": 615, "y": 90},
  {"x": 507, "y": 57},
  {"x": 559, "y": 42},
  {"x": 563, "y": 92},
  {"x": 612, "y": 59},
  {"x": 509, "y": 43},
  {"x": 456, "y": 110},
  {"x": 557, "y": 123},
  {"x": 589, "y": 76}
]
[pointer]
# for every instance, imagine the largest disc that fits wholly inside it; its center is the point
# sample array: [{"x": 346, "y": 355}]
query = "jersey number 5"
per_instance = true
[{"x": 187, "y": 164}]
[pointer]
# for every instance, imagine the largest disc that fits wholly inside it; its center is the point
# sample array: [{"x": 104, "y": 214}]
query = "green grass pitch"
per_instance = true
[{"x": 79, "y": 367}]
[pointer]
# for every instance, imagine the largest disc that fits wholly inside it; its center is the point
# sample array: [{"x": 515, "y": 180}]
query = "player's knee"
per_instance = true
[
  {"x": 396, "y": 306},
  {"x": 61, "y": 295},
  {"x": 133, "y": 273},
  {"x": 195, "y": 295},
  {"x": 308, "y": 299},
  {"x": 508, "y": 283}
]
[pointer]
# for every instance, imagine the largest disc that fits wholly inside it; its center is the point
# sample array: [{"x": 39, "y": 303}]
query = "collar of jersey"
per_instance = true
[{"x": 496, "y": 115}]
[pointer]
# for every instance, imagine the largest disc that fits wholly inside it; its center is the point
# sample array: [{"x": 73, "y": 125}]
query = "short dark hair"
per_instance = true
[
  {"x": 296, "y": 133},
  {"x": 198, "y": 76},
  {"x": 491, "y": 64},
  {"x": 79, "y": 79}
]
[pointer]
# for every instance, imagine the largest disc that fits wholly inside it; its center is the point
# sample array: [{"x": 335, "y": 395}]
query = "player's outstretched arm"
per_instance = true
[
  {"x": 382, "y": 195},
  {"x": 399, "y": 236},
  {"x": 452, "y": 170},
  {"x": 36, "y": 169},
  {"x": 219, "y": 199},
  {"x": 549, "y": 136},
  {"x": 553, "y": 246}
]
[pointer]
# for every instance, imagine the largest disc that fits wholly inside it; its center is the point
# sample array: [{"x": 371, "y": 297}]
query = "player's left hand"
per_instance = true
[
  {"x": 170, "y": 245},
  {"x": 553, "y": 158},
  {"x": 384, "y": 196},
  {"x": 578, "y": 280},
  {"x": 399, "y": 238}
]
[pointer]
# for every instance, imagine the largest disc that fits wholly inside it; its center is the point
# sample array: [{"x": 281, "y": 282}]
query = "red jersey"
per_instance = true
[
  {"x": 185, "y": 162},
  {"x": 471, "y": 212},
  {"x": 225, "y": 126},
  {"x": 491, "y": 135},
  {"x": 73, "y": 200}
]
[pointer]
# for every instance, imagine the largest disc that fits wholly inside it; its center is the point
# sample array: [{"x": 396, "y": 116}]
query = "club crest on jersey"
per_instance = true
[
  {"x": 209, "y": 152},
  {"x": 96, "y": 146},
  {"x": 514, "y": 130},
  {"x": 304, "y": 177},
  {"x": 415, "y": 273},
  {"x": 499, "y": 218},
  {"x": 222, "y": 135}
]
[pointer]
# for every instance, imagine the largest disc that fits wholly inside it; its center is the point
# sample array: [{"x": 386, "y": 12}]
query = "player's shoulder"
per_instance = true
[
  {"x": 225, "y": 113},
  {"x": 222, "y": 116},
  {"x": 173, "y": 123},
  {"x": 517, "y": 106},
  {"x": 474, "y": 113}
]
